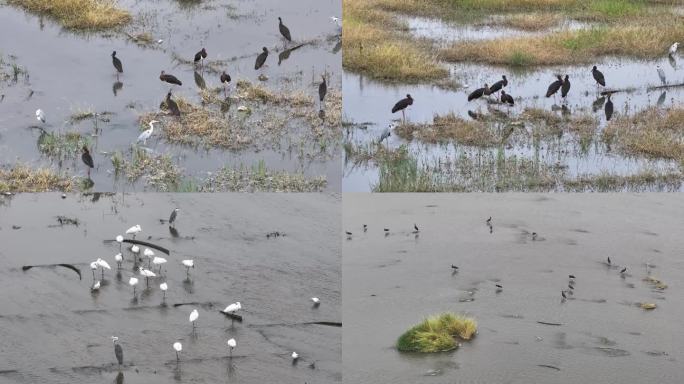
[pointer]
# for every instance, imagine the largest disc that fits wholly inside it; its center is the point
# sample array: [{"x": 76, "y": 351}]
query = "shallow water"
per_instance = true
[
  {"x": 392, "y": 282},
  {"x": 54, "y": 329},
  {"x": 369, "y": 102},
  {"x": 70, "y": 72}
]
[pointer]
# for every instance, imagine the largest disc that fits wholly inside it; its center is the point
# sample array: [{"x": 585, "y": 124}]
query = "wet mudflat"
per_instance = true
[
  {"x": 55, "y": 329},
  {"x": 69, "y": 75},
  {"x": 518, "y": 142},
  {"x": 397, "y": 280}
]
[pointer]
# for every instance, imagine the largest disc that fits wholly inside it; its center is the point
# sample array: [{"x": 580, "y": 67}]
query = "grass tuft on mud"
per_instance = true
[
  {"x": 439, "y": 333},
  {"x": 259, "y": 178},
  {"x": 62, "y": 146},
  {"x": 21, "y": 178},
  {"x": 448, "y": 128},
  {"x": 158, "y": 170},
  {"x": 79, "y": 14}
]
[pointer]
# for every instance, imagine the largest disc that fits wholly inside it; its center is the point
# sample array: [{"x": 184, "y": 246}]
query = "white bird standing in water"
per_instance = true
[
  {"x": 147, "y": 273},
  {"x": 158, "y": 261},
  {"x": 40, "y": 115},
  {"x": 295, "y": 356},
  {"x": 103, "y": 264},
  {"x": 119, "y": 239},
  {"x": 661, "y": 74},
  {"x": 188, "y": 264},
  {"x": 232, "y": 308},
  {"x": 672, "y": 51},
  {"x": 93, "y": 267},
  {"x": 147, "y": 133},
  {"x": 134, "y": 230},
  {"x": 135, "y": 249},
  {"x": 193, "y": 317},
  {"x": 232, "y": 344},
  {"x": 178, "y": 347},
  {"x": 316, "y": 301},
  {"x": 163, "y": 286},
  {"x": 133, "y": 281},
  {"x": 119, "y": 259},
  {"x": 96, "y": 286}
]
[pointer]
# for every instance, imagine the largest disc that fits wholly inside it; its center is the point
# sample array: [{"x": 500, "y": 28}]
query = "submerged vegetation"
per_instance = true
[
  {"x": 79, "y": 14},
  {"x": 439, "y": 333},
  {"x": 62, "y": 146},
  {"x": 259, "y": 178}
]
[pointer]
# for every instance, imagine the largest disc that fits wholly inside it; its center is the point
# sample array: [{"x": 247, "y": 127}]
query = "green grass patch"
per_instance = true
[
  {"x": 62, "y": 146},
  {"x": 439, "y": 333}
]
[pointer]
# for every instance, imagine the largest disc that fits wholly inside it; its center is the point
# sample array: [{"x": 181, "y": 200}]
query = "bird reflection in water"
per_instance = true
[{"x": 116, "y": 87}]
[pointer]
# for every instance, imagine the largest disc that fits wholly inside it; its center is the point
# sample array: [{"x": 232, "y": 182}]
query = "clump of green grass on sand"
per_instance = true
[
  {"x": 79, "y": 14},
  {"x": 259, "y": 178},
  {"x": 21, "y": 178},
  {"x": 654, "y": 133},
  {"x": 158, "y": 171},
  {"x": 439, "y": 333},
  {"x": 62, "y": 146}
]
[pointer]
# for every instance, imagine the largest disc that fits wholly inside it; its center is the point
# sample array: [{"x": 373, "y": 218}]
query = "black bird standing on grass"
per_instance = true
[
  {"x": 172, "y": 218},
  {"x": 172, "y": 106},
  {"x": 201, "y": 55},
  {"x": 506, "y": 98},
  {"x": 261, "y": 59},
  {"x": 117, "y": 64},
  {"x": 87, "y": 159},
  {"x": 284, "y": 30},
  {"x": 322, "y": 90},
  {"x": 555, "y": 86},
  {"x": 598, "y": 76},
  {"x": 171, "y": 79},
  {"x": 476, "y": 94},
  {"x": 225, "y": 80},
  {"x": 498, "y": 86},
  {"x": 403, "y": 104},
  {"x": 565, "y": 88},
  {"x": 609, "y": 109}
]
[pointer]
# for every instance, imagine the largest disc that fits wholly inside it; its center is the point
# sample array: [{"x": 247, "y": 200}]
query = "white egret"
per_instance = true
[
  {"x": 188, "y": 264},
  {"x": 316, "y": 301},
  {"x": 134, "y": 230},
  {"x": 119, "y": 259},
  {"x": 133, "y": 281},
  {"x": 295, "y": 356},
  {"x": 158, "y": 261},
  {"x": 661, "y": 74},
  {"x": 119, "y": 239},
  {"x": 93, "y": 267},
  {"x": 147, "y": 133},
  {"x": 232, "y": 308},
  {"x": 193, "y": 317},
  {"x": 672, "y": 51},
  {"x": 135, "y": 249},
  {"x": 40, "y": 115},
  {"x": 118, "y": 351},
  {"x": 148, "y": 253},
  {"x": 96, "y": 286},
  {"x": 163, "y": 286},
  {"x": 178, "y": 347},
  {"x": 232, "y": 344},
  {"x": 103, "y": 264},
  {"x": 147, "y": 273},
  {"x": 338, "y": 23}
]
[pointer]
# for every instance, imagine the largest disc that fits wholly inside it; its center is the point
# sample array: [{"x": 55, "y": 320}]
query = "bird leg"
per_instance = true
[
  {"x": 93, "y": 275},
  {"x": 403, "y": 116},
  {"x": 177, "y": 358}
]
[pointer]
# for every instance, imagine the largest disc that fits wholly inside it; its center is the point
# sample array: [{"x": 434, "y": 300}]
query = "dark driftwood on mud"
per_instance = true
[
  {"x": 145, "y": 243},
  {"x": 547, "y": 323},
  {"x": 232, "y": 316},
  {"x": 548, "y": 366},
  {"x": 327, "y": 323},
  {"x": 78, "y": 271}
]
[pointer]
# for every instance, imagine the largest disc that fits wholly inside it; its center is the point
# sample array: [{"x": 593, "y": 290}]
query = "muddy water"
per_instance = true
[
  {"x": 70, "y": 72},
  {"x": 391, "y": 283},
  {"x": 368, "y": 101},
  {"x": 54, "y": 329}
]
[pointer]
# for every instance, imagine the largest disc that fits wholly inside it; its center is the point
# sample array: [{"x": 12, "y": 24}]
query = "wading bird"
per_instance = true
[
  {"x": 563, "y": 294},
  {"x": 499, "y": 85},
  {"x": 316, "y": 301},
  {"x": 338, "y": 23},
  {"x": 609, "y": 262},
  {"x": 87, "y": 159},
  {"x": 415, "y": 228},
  {"x": 133, "y": 281},
  {"x": 598, "y": 76},
  {"x": 178, "y": 347},
  {"x": 294, "y": 356},
  {"x": 571, "y": 276},
  {"x": 159, "y": 261},
  {"x": 103, "y": 264},
  {"x": 147, "y": 133},
  {"x": 117, "y": 64},
  {"x": 233, "y": 308},
  {"x": 402, "y": 104},
  {"x": 661, "y": 74},
  {"x": 385, "y": 134},
  {"x": 188, "y": 264},
  {"x": 171, "y": 79},
  {"x": 96, "y": 286},
  {"x": 554, "y": 87},
  {"x": 673, "y": 49},
  {"x": 565, "y": 88},
  {"x": 148, "y": 253},
  {"x": 119, "y": 239},
  {"x": 232, "y": 344},
  {"x": 284, "y": 30},
  {"x": 201, "y": 55},
  {"x": 261, "y": 59},
  {"x": 193, "y": 317},
  {"x": 147, "y": 274},
  {"x": 322, "y": 90},
  {"x": 476, "y": 94},
  {"x": 40, "y": 115},
  {"x": 506, "y": 98},
  {"x": 172, "y": 106},
  {"x": 172, "y": 218},
  {"x": 118, "y": 351},
  {"x": 163, "y": 286},
  {"x": 225, "y": 80},
  {"x": 134, "y": 230},
  {"x": 135, "y": 249},
  {"x": 623, "y": 270},
  {"x": 119, "y": 259},
  {"x": 93, "y": 268}
]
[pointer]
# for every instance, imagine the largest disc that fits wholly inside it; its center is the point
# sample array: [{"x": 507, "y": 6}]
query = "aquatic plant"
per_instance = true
[
  {"x": 79, "y": 14},
  {"x": 62, "y": 146},
  {"x": 259, "y": 178},
  {"x": 438, "y": 333}
]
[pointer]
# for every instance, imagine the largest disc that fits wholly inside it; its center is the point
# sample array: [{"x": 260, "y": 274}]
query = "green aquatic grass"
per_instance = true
[
  {"x": 437, "y": 333},
  {"x": 62, "y": 146}
]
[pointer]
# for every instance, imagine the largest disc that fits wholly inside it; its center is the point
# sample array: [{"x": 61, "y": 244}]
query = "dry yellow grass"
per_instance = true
[
  {"x": 79, "y": 14},
  {"x": 22, "y": 178},
  {"x": 451, "y": 128},
  {"x": 526, "y": 21}
]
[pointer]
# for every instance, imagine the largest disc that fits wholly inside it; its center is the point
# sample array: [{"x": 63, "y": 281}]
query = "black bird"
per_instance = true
[
  {"x": 172, "y": 218},
  {"x": 200, "y": 55},
  {"x": 348, "y": 233},
  {"x": 284, "y": 30},
  {"x": 403, "y": 104},
  {"x": 598, "y": 76},
  {"x": 496, "y": 87},
  {"x": 87, "y": 159},
  {"x": 415, "y": 227},
  {"x": 534, "y": 235},
  {"x": 171, "y": 79},
  {"x": 261, "y": 59},
  {"x": 489, "y": 221},
  {"x": 322, "y": 89},
  {"x": 225, "y": 80},
  {"x": 609, "y": 260},
  {"x": 453, "y": 266},
  {"x": 609, "y": 108},
  {"x": 506, "y": 98},
  {"x": 563, "y": 294},
  {"x": 172, "y": 106},
  {"x": 386, "y": 229},
  {"x": 476, "y": 94},
  {"x": 565, "y": 88},
  {"x": 571, "y": 287},
  {"x": 571, "y": 276},
  {"x": 118, "y": 351},
  {"x": 117, "y": 63},
  {"x": 555, "y": 86},
  {"x": 365, "y": 227},
  {"x": 623, "y": 270},
  {"x": 499, "y": 287},
  {"x": 473, "y": 115}
]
